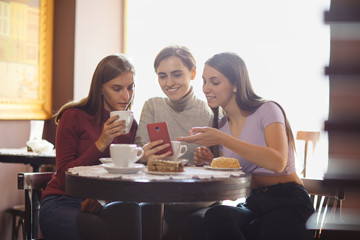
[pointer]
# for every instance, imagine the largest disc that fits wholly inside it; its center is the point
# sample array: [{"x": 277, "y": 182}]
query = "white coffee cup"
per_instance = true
[
  {"x": 178, "y": 150},
  {"x": 128, "y": 116},
  {"x": 125, "y": 155}
]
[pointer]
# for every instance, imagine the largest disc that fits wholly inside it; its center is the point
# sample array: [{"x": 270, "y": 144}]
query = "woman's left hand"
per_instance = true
[
  {"x": 153, "y": 147},
  {"x": 202, "y": 156},
  {"x": 205, "y": 136},
  {"x": 91, "y": 206}
]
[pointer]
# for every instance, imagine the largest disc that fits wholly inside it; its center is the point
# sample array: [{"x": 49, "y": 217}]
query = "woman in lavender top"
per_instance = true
[{"x": 258, "y": 134}]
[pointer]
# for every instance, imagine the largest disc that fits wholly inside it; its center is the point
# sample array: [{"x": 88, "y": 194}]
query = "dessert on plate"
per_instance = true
[
  {"x": 165, "y": 166},
  {"x": 225, "y": 162}
]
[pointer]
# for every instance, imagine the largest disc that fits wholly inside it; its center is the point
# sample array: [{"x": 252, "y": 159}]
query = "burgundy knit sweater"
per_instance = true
[{"x": 75, "y": 145}]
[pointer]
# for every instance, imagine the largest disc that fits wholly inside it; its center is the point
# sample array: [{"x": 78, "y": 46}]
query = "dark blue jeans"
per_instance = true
[
  {"x": 275, "y": 212},
  {"x": 58, "y": 216},
  {"x": 117, "y": 220},
  {"x": 61, "y": 218}
]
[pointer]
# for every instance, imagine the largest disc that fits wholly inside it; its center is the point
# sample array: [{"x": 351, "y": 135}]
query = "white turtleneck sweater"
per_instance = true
[{"x": 180, "y": 116}]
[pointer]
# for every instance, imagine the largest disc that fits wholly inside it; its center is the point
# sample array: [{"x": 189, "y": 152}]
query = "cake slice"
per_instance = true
[{"x": 165, "y": 166}]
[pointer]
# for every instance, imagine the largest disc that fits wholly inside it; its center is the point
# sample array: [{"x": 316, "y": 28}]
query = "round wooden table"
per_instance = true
[{"x": 158, "y": 191}]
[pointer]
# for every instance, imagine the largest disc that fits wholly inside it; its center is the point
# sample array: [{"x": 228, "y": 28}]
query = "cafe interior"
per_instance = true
[{"x": 76, "y": 34}]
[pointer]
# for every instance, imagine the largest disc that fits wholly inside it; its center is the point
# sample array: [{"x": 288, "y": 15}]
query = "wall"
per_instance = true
[
  {"x": 84, "y": 32},
  {"x": 98, "y": 34},
  {"x": 63, "y": 62},
  {"x": 14, "y": 134}
]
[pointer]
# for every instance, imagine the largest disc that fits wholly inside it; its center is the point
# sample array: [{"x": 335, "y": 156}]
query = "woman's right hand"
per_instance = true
[
  {"x": 202, "y": 156},
  {"x": 153, "y": 147},
  {"x": 111, "y": 130}
]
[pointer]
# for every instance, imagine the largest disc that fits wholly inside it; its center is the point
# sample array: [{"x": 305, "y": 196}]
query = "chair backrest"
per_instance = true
[
  {"x": 327, "y": 201},
  {"x": 307, "y": 137},
  {"x": 32, "y": 183}
]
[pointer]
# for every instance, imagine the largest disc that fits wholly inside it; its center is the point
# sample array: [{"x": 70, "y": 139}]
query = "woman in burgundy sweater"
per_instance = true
[{"x": 84, "y": 133}]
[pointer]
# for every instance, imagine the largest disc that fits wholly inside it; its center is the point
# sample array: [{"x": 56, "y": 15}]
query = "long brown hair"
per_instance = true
[
  {"x": 108, "y": 68},
  {"x": 234, "y": 69}
]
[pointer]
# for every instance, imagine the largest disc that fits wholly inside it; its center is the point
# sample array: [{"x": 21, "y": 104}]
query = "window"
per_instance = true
[{"x": 285, "y": 45}]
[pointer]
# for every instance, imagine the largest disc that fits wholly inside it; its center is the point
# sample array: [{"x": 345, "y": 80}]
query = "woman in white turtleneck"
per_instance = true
[{"x": 181, "y": 110}]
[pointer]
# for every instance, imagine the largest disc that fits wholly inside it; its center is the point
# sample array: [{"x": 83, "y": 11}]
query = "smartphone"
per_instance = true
[{"x": 157, "y": 131}]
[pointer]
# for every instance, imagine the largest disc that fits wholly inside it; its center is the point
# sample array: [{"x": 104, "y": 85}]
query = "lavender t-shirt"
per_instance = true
[{"x": 253, "y": 132}]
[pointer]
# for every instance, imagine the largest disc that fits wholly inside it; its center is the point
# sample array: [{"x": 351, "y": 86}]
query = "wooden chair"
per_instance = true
[
  {"x": 32, "y": 183},
  {"x": 17, "y": 213},
  {"x": 307, "y": 137},
  {"x": 327, "y": 199}
]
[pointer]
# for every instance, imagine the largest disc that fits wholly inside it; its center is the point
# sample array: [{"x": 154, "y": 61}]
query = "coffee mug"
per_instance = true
[
  {"x": 178, "y": 150},
  {"x": 128, "y": 116},
  {"x": 125, "y": 155}
]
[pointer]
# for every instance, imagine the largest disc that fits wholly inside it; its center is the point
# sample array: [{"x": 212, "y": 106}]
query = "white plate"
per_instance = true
[
  {"x": 161, "y": 173},
  {"x": 124, "y": 170},
  {"x": 105, "y": 160},
  {"x": 182, "y": 160},
  {"x": 222, "y": 169}
]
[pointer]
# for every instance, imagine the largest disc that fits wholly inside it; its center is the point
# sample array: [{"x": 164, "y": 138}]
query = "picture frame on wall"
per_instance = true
[{"x": 26, "y": 42}]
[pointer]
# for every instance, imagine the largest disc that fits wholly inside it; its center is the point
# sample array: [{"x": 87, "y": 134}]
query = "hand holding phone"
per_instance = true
[{"x": 157, "y": 131}]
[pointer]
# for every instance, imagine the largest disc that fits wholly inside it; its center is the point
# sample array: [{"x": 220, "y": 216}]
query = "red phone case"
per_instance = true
[{"x": 157, "y": 131}]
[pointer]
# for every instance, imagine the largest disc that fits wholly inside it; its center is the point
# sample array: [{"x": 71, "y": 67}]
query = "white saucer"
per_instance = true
[
  {"x": 222, "y": 169},
  {"x": 182, "y": 160},
  {"x": 162, "y": 173},
  {"x": 124, "y": 170},
  {"x": 105, "y": 160}
]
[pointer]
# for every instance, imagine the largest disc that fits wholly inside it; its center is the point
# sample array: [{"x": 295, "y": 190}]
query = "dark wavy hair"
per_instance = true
[
  {"x": 235, "y": 70},
  {"x": 108, "y": 68}
]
